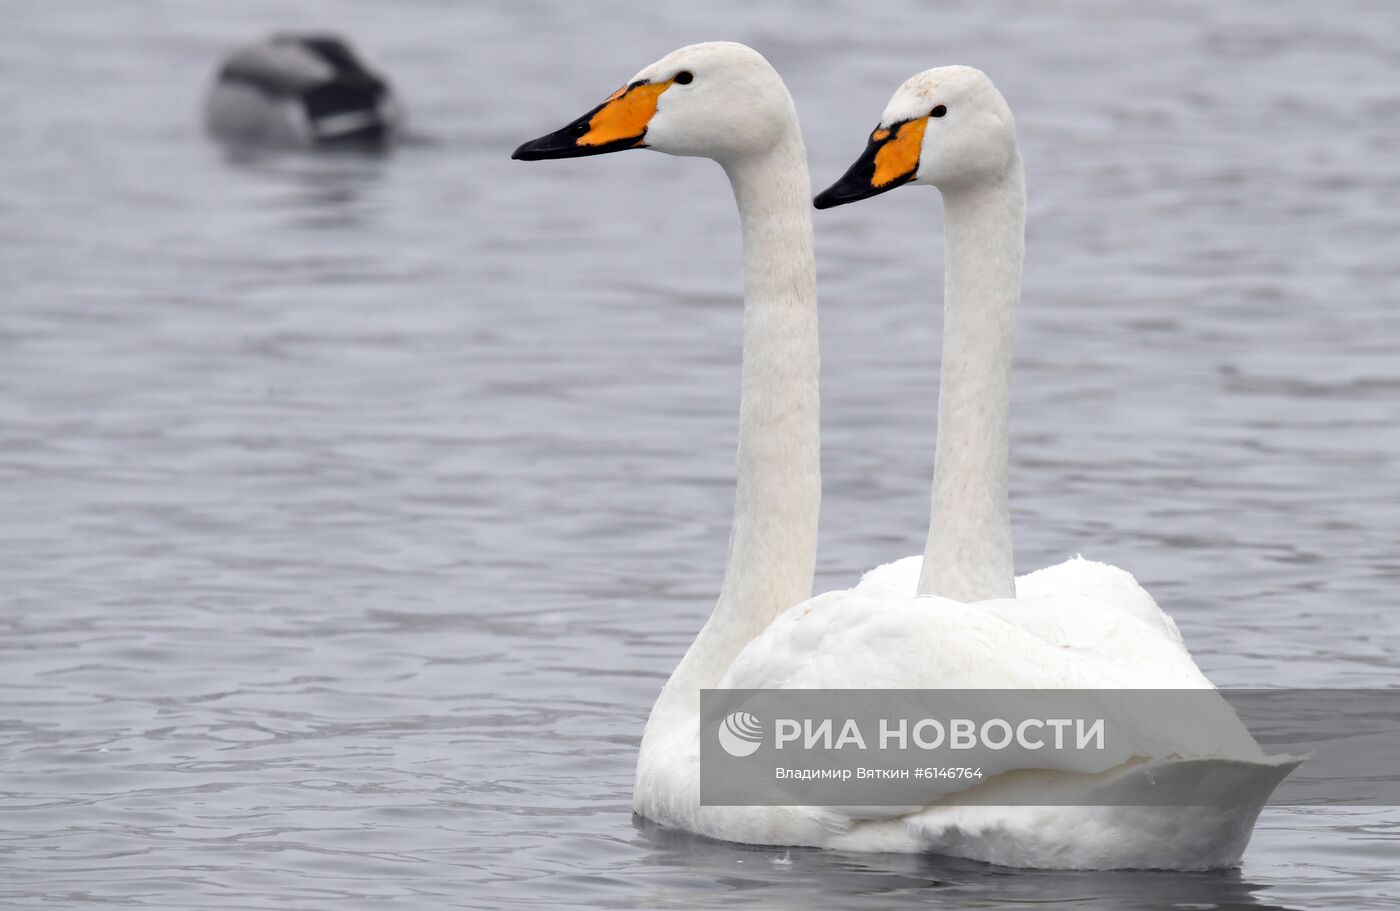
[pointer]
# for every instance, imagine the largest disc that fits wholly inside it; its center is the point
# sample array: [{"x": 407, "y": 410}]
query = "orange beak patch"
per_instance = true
[
  {"x": 615, "y": 125},
  {"x": 624, "y": 115},
  {"x": 890, "y": 160},
  {"x": 900, "y": 156}
]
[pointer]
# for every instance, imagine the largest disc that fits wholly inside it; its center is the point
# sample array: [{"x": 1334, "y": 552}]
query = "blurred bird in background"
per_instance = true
[{"x": 302, "y": 91}]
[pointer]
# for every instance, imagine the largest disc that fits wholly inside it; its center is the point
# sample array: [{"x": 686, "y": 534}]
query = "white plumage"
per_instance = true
[
  {"x": 1056, "y": 633},
  {"x": 1188, "y": 778},
  {"x": 954, "y": 619}
]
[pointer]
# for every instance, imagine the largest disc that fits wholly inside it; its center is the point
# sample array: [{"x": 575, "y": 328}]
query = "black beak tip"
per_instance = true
[
  {"x": 530, "y": 151},
  {"x": 559, "y": 144},
  {"x": 847, "y": 189},
  {"x": 853, "y": 188},
  {"x": 564, "y": 144}
]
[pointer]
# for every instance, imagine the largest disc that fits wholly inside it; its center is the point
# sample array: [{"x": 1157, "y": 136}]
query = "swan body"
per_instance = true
[
  {"x": 301, "y": 91},
  {"x": 879, "y": 634},
  {"x": 1104, "y": 584},
  {"x": 955, "y": 618}
]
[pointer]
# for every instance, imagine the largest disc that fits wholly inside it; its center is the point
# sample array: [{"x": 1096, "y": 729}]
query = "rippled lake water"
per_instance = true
[{"x": 353, "y": 510}]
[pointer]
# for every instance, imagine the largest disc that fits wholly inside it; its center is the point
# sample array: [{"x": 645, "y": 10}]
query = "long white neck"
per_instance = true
[
  {"x": 773, "y": 544},
  {"x": 968, "y": 555}
]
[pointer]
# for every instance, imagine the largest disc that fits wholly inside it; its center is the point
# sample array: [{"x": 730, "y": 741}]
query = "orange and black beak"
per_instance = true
[
  {"x": 890, "y": 160},
  {"x": 616, "y": 124}
]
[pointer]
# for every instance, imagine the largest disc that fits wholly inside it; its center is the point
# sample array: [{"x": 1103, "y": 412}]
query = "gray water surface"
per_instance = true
[{"x": 354, "y": 509}]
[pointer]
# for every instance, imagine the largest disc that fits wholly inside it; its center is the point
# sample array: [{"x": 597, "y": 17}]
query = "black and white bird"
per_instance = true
[{"x": 306, "y": 90}]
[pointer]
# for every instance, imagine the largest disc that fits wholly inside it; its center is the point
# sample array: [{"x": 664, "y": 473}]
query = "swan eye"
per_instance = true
[
  {"x": 938, "y": 111},
  {"x": 685, "y": 77}
]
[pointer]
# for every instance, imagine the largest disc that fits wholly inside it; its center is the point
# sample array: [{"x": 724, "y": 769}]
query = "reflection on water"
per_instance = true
[
  {"x": 332, "y": 190},
  {"x": 355, "y": 508}
]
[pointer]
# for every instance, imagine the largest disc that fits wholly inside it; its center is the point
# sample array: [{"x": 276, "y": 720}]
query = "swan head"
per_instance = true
[
  {"x": 717, "y": 100},
  {"x": 947, "y": 127}
]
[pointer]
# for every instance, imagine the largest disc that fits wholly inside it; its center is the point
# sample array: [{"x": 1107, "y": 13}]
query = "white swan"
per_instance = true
[
  {"x": 951, "y": 128},
  {"x": 1074, "y": 626},
  {"x": 724, "y": 101},
  {"x": 301, "y": 91}
]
